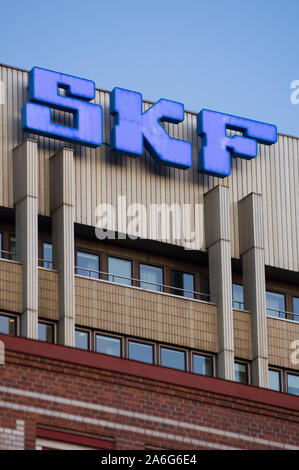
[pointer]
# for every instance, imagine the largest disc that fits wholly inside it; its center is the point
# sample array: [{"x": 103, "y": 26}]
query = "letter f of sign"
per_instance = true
[
  {"x": 132, "y": 128},
  {"x": 217, "y": 147}
]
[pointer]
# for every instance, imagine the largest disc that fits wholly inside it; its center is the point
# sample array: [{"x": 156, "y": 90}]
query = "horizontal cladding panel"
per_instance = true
[
  {"x": 149, "y": 315},
  {"x": 242, "y": 335},
  {"x": 48, "y": 294},
  {"x": 10, "y": 286},
  {"x": 281, "y": 335},
  {"x": 101, "y": 177}
]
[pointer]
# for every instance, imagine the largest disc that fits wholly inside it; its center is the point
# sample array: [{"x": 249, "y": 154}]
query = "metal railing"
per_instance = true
[
  {"x": 282, "y": 314},
  {"x": 131, "y": 281},
  {"x": 238, "y": 305},
  {"x": 11, "y": 255},
  {"x": 44, "y": 263}
]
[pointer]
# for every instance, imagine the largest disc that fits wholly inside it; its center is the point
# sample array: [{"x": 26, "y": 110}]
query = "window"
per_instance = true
[
  {"x": 238, "y": 296},
  {"x": 1, "y": 252},
  {"x": 120, "y": 267},
  {"x": 8, "y": 325},
  {"x": 274, "y": 380},
  {"x": 182, "y": 281},
  {"x": 12, "y": 247},
  {"x": 82, "y": 339},
  {"x": 202, "y": 364},
  {"x": 293, "y": 384},
  {"x": 275, "y": 304},
  {"x": 241, "y": 373},
  {"x": 204, "y": 289},
  {"x": 141, "y": 352},
  {"x": 153, "y": 275},
  {"x": 46, "y": 332},
  {"x": 173, "y": 358},
  {"x": 88, "y": 264},
  {"x": 296, "y": 308},
  {"x": 108, "y": 345},
  {"x": 47, "y": 256}
]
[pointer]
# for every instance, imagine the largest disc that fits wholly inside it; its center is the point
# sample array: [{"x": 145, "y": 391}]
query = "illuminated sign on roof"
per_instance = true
[{"x": 133, "y": 129}]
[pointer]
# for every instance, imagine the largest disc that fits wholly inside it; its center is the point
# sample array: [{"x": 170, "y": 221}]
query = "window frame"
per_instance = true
[
  {"x": 152, "y": 266},
  {"x": 42, "y": 257},
  {"x": 16, "y": 317},
  {"x": 108, "y": 335},
  {"x": 141, "y": 341},
  {"x": 204, "y": 354},
  {"x": 172, "y": 269},
  {"x": 53, "y": 324},
  {"x": 119, "y": 275},
  {"x": 89, "y": 333},
  {"x": 281, "y": 379},
  {"x": 88, "y": 252},
  {"x": 174, "y": 348},
  {"x": 290, "y": 372},
  {"x": 274, "y": 291},
  {"x": 248, "y": 370}
]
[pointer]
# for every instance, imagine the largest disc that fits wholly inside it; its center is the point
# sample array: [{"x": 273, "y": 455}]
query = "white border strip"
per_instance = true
[{"x": 143, "y": 417}]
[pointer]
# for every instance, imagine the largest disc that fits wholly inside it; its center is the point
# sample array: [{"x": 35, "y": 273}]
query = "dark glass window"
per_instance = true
[
  {"x": 46, "y": 332},
  {"x": 7, "y": 325},
  {"x": 82, "y": 339},
  {"x": 108, "y": 345},
  {"x": 12, "y": 247},
  {"x": 183, "y": 281},
  {"x": 47, "y": 256},
  {"x": 151, "y": 277},
  {"x": 241, "y": 373},
  {"x": 120, "y": 267},
  {"x": 238, "y": 296},
  {"x": 141, "y": 352},
  {"x": 202, "y": 364},
  {"x": 1, "y": 252},
  {"x": 88, "y": 264},
  {"x": 173, "y": 358},
  {"x": 296, "y": 308},
  {"x": 293, "y": 384},
  {"x": 204, "y": 289},
  {"x": 274, "y": 380},
  {"x": 275, "y": 304}
]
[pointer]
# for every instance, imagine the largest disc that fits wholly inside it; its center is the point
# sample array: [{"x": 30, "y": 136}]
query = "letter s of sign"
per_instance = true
[
  {"x": 43, "y": 94},
  {"x": 217, "y": 147},
  {"x": 132, "y": 128},
  {"x": 295, "y": 94},
  {"x": 295, "y": 354}
]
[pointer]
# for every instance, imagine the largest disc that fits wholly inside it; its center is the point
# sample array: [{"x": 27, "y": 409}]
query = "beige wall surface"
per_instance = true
[
  {"x": 101, "y": 176},
  {"x": 141, "y": 313}
]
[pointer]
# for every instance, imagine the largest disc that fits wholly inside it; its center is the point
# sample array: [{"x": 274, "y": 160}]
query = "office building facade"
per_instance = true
[{"x": 186, "y": 336}]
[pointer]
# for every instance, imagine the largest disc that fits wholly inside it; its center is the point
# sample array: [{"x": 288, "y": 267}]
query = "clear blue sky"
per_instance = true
[{"x": 232, "y": 56}]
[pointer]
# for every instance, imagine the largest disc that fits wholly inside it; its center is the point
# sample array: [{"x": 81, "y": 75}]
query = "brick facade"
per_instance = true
[{"x": 83, "y": 398}]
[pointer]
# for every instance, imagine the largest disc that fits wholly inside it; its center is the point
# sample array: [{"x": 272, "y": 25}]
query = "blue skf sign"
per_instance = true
[{"x": 133, "y": 130}]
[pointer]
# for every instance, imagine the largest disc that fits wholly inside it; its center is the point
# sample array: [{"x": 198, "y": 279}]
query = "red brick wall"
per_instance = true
[{"x": 88, "y": 398}]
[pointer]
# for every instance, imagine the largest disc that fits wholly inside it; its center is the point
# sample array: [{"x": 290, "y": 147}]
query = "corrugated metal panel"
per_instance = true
[{"x": 101, "y": 176}]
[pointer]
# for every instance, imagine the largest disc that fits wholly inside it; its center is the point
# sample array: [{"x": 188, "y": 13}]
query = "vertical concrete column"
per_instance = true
[
  {"x": 62, "y": 210},
  {"x": 251, "y": 234},
  {"x": 217, "y": 224},
  {"x": 25, "y": 181}
]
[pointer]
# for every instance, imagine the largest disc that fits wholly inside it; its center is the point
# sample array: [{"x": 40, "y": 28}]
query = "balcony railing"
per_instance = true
[
  {"x": 11, "y": 255},
  {"x": 272, "y": 312},
  {"x": 131, "y": 281},
  {"x": 238, "y": 305},
  {"x": 44, "y": 263}
]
